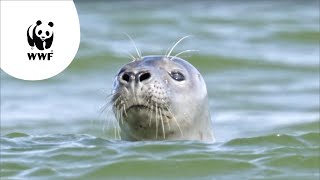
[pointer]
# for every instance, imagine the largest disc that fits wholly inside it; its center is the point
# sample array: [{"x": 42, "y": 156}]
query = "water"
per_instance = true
[
  {"x": 260, "y": 60},
  {"x": 89, "y": 157}
]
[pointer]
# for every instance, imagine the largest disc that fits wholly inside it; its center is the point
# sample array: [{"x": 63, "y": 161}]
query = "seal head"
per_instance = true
[{"x": 159, "y": 97}]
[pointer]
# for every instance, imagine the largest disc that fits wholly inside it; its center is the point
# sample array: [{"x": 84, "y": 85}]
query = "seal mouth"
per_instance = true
[{"x": 138, "y": 107}]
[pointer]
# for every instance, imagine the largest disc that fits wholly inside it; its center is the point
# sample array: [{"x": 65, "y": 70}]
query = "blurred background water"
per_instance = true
[{"x": 260, "y": 60}]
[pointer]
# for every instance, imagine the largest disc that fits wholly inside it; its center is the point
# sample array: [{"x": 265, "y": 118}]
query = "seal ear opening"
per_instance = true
[
  {"x": 39, "y": 22},
  {"x": 50, "y": 24}
]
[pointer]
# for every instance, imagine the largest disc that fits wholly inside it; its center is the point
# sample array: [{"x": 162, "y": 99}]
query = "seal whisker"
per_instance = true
[
  {"x": 119, "y": 103},
  {"x": 107, "y": 104},
  {"x": 114, "y": 124},
  {"x": 150, "y": 117},
  {"x": 124, "y": 109},
  {"x": 121, "y": 113},
  {"x": 156, "y": 121},
  {"x": 131, "y": 56},
  {"x": 150, "y": 105},
  {"x": 168, "y": 123},
  {"x": 117, "y": 126},
  {"x": 119, "y": 110},
  {"x": 116, "y": 101},
  {"x": 189, "y": 50},
  {"x": 116, "y": 105},
  {"x": 167, "y": 51},
  {"x": 119, "y": 129},
  {"x": 103, "y": 111},
  {"x": 134, "y": 44},
  {"x": 175, "y": 120},
  {"x": 106, "y": 110},
  {"x": 168, "y": 55},
  {"x": 162, "y": 124}
]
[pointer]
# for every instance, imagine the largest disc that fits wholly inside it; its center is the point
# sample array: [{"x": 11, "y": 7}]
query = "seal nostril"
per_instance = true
[
  {"x": 125, "y": 77},
  {"x": 144, "y": 76}
]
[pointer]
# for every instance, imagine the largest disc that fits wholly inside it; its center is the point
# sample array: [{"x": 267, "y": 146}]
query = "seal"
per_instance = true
[{"x": 161, "y": 98}]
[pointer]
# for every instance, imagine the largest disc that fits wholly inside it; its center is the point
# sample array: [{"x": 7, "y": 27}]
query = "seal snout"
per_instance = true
[{"x": 130, "y": 77}]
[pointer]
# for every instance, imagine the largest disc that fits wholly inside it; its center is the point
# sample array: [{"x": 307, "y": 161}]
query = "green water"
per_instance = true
[
  {"x": 260, "y": 60},
  {"x": 89, "y": 157}
]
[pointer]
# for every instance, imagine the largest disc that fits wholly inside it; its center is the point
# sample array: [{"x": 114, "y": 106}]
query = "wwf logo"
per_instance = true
[{"x": 40, "y": 35}]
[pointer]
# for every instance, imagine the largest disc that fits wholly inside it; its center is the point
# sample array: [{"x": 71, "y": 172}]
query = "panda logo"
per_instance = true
[{"x": 40, "y": 35}]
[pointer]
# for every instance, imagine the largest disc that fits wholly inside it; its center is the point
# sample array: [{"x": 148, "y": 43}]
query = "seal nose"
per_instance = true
[
  {"x": 142, "y": 76},
  {"x": 128, "y": 77}
]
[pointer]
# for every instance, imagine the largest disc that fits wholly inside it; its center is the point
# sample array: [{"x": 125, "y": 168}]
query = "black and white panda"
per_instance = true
[{"x": 41, "y": 35}]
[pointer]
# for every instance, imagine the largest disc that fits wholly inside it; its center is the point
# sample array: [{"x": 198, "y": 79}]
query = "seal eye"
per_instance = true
[{"x": 178, "y": 76}]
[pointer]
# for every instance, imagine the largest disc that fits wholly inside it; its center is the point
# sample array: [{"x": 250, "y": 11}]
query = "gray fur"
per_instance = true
[{"x": 159, "y": 107}]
